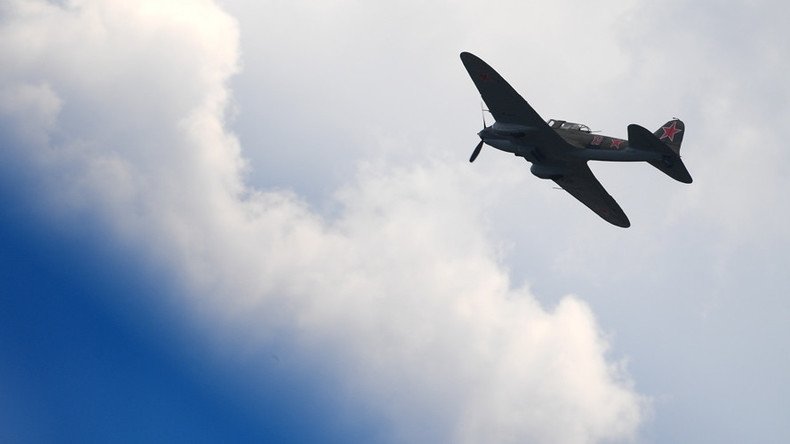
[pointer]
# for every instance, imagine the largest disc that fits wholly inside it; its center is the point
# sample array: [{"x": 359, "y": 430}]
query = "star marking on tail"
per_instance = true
[{"x": 670, "y": 131}]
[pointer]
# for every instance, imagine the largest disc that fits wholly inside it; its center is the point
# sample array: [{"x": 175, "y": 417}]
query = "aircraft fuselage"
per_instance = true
[{"x": 526, "y": 141}]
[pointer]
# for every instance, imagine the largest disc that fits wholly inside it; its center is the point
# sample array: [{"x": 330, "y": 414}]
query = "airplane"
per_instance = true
[{"x": 559, "y": 150}]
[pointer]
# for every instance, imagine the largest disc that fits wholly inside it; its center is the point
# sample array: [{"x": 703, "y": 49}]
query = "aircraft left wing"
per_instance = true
[
  {"x": 506, "y": 104},
  {"x": 582, "y": 184}
]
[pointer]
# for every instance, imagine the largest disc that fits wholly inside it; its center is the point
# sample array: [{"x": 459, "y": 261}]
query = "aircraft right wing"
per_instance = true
[
  {"x": 582, "y": 184},
  {"x": 507, "y": 105}
]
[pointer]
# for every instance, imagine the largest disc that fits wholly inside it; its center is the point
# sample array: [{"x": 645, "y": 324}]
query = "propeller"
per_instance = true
[
  {"x": 476, "y": 151},
  {"x": 479, "y": 146}
]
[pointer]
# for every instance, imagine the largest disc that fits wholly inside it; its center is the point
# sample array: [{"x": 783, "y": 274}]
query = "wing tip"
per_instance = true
[
  {"x": 469, "y": 58},
  {"x": 619, "y": 218},
  {"x": 623, "y": 224}
]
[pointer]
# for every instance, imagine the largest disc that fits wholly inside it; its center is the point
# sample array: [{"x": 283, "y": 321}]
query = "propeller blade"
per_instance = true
[{"x": 476, "y": 151}]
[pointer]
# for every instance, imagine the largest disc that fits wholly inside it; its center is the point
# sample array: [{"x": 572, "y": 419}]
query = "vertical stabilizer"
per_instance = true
[
  {"x": 640, "y": 138},
  {"x": 671, "y": 133}
]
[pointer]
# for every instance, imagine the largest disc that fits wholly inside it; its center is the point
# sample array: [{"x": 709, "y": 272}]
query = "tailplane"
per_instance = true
[{"x": 666, "y": 142}]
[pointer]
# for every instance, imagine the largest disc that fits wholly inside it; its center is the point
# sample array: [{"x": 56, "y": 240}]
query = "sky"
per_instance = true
[{"x": 256, "y": 221}]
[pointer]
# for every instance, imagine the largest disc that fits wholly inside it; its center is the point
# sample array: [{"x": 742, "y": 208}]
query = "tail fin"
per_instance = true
[
  {"x": 670, "y": 163},
  {"x": 672, "y": 134}
]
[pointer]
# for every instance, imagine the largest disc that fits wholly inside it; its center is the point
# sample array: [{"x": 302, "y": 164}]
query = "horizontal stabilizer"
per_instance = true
[{"x": 641, "y": 139}]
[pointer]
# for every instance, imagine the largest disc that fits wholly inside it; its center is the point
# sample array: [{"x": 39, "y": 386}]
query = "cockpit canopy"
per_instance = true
[{"x": 561, "y": 124}]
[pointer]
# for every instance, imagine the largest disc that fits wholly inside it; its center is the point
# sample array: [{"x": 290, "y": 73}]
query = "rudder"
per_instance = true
[{"x": 671, "y": 133}]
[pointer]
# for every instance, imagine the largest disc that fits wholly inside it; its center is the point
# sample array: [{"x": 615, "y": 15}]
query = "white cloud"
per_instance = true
[
  {"x": 674, "y": 286},
  {"x": 124, "y": 117}
]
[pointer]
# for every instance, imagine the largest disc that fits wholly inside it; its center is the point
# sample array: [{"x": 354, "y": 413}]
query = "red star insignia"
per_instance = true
[
  {"x": 484, "y": 76},
  {"x": 670, "y": 131},
  {"x": 616, "y": 143}
]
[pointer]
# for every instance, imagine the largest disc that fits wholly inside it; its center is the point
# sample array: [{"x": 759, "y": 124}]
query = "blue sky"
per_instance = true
[
  {"x": 77, "y": 368},
  {"x": 256, "y": 221}
]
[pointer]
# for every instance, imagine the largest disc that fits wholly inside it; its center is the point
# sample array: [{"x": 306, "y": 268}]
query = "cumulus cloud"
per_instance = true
[{"x": 119, "y": 110}]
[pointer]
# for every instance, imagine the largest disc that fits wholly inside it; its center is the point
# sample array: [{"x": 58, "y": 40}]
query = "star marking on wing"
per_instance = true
[
  {"x": 484, "y": 76},
  {"x": 670, "y": 131}
]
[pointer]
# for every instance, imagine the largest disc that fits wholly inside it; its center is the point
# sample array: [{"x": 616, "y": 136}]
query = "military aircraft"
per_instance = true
[{"x": 559, "y": 150}]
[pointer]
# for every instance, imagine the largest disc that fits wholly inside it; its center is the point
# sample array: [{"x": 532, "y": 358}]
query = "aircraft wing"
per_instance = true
[
  {"x": 507, "y": 105},
  {"x": 582, "y": 184}
]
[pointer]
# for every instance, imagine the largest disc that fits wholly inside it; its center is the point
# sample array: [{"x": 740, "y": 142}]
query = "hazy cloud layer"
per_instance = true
[{"x": 398, "y": 292}]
